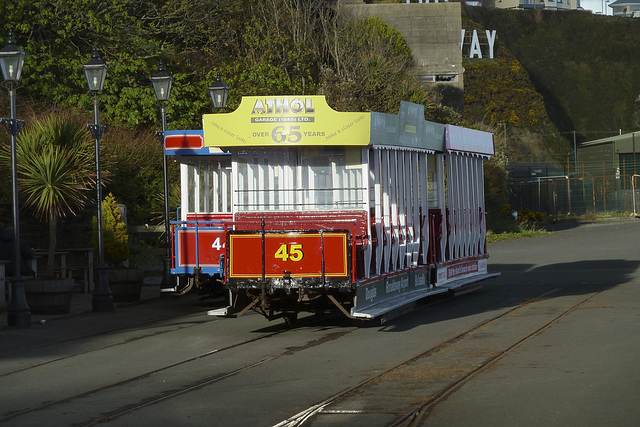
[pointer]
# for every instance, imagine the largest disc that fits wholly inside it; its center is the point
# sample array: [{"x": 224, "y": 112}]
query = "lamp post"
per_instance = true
[
  {"x": 219, "y": 93},
  {"x": 162, "y": 86},
  {"x": 11, "y": 62},
  {"x": 96, "y": 71}
]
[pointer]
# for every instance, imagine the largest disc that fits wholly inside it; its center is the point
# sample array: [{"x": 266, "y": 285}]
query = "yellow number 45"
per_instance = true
[{"x": 289, "y": 252}]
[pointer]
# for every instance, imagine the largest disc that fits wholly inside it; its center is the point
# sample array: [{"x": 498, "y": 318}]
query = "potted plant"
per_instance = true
[
  {"x": 55, "y": 175},
  {"x": 125, "y": 283}
]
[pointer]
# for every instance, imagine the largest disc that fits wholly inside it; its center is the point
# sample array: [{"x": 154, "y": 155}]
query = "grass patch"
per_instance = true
[{"x": 522, "y": 234}]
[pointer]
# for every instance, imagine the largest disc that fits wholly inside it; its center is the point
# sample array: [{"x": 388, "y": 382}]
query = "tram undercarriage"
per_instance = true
[{"x": 273, "y": 300}]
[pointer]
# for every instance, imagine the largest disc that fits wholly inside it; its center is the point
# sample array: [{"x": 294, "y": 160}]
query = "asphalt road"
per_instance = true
[{"x": 553, "y": 341}]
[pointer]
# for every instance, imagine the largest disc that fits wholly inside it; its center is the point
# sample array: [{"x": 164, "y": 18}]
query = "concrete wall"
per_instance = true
[{"x": 433, "y": 32}]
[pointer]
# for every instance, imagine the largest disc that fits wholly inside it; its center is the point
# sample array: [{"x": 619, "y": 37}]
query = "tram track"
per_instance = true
[
  {"x": 146, "y": 374},
  {"x": 131, "y": 326},
  {"x": 415, "y": 417},
  {"x": 410, "y": 417},
  {"x": 208, "y": 381},
  {"x": 159, "y": 397},
  {"x": 416, "y": 414}
]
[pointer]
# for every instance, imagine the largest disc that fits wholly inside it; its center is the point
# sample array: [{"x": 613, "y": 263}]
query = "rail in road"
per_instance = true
[
  {"x": 432, "y": 374},
  {"x": 438, "y": 371},
  {"x": 198, "y": 370}
]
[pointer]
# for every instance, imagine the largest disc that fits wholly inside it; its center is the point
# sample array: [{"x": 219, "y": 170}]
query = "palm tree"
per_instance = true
[{"x": 55, "y": 170}]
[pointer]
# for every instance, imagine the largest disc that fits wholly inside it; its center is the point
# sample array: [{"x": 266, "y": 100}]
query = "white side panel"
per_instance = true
[
  {"x": 440, "y": 172},
  {"x": 365, "y": 191},
  {"x": 452, "y": 206},
  {"x": 184, "y": 191},
  {"x": 424, "y": 206},
  {"x": 377, "y": 156},
  {"x": 393, "y": 196},
  {"x": 386, "y": 211}
]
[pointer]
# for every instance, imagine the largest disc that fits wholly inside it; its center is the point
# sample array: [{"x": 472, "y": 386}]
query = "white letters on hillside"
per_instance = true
[{"x": 475, "y": 50}]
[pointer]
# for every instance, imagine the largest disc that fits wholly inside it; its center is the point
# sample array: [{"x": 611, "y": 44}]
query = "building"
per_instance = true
[
  {"x": 533, "y": 4},
  {"x": 626, "y": 8},
  {"x": 617, "y": 155}
]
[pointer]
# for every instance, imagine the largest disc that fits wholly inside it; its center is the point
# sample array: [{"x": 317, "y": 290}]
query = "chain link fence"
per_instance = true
[{"x": 577, "y": 196}]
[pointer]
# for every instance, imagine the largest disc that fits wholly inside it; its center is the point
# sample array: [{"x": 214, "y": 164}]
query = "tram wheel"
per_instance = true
[{"x": 290, "y": 319}]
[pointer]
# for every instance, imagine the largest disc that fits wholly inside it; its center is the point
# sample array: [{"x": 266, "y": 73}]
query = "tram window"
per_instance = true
[
  {"x": 242, "y": 200},
  {"x": 191, "y": 191},
  {"x": 208, "y": 185},
  {"x": 219, "y": 187},
  {"x": 201, "y": 183},
  {"x": 316, "y": 177},
  {"x": 332, "y": 177},
  {"x": 295, "y": 178},
  {"x": 266, "y": 179}
]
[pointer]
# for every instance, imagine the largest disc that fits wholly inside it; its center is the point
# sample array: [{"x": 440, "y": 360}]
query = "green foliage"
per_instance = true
[
  {"x": 364, "y": 56},
  {"x": 527, "y": 215},
  {"x": 510, "y": 235},
  {"x": 261, "y": 47},
  {"x": 55, "y": 166},
  {"x": 496, "y": 182},
  {"x": 58, "y": 37},
  {"x": 133, "y": 160},
  {"x": 54, "y": 158},
  {"x": 144, "y": 255},
  {"x": 277, "y": 54},
  {"x": 499, "y": 91},
  {"x": 114, "y": 232}
]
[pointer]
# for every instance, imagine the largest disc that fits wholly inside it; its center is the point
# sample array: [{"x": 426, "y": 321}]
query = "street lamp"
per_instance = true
[
  {"x": 219, "y": 93},
  {"x": 96, "y": 71},
  {"x": 162, "y": 86},
  {"x": 11, "y": 62}
]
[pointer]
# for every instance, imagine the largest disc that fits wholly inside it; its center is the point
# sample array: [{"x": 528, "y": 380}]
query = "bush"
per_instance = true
[
  {"x": 527, "y": 215},
  {"x": 114, "y": 232}
]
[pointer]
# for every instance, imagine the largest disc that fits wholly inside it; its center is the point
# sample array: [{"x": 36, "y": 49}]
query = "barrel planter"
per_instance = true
[
  {"x": 49, "y": 296},
  {"x": 125, "y": 284}
]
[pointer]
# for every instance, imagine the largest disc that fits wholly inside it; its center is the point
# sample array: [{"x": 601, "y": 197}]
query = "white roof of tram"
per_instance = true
[{"x": 310, "y": 121}]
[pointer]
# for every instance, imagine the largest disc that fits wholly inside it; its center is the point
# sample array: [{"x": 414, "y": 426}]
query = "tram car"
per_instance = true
[{"x": 294, "y": 207}]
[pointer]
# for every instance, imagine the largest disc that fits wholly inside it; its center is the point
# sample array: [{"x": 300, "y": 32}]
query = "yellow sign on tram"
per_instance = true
[{"x": 285, "y": 120}]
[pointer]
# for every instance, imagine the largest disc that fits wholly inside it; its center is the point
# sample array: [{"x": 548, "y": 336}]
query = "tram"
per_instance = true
[{"x": 291, "y": 206}]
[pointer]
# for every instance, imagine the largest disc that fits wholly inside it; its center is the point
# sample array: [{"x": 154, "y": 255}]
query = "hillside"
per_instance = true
[
  {"x": 585, "y": 66},
  {"x": 500, "y": 94}
]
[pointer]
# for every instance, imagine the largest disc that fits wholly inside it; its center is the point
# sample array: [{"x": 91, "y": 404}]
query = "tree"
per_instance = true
[
  {"x": 115, "y": 234},
  {"x": 55, "y": 170},
  {"x": 369, "y": 67}
]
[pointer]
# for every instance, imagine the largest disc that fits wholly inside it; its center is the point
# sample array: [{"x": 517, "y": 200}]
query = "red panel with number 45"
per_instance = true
[{"x": 300, "y": 254}]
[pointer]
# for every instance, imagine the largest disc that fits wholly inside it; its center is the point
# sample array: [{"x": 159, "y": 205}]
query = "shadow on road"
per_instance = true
[{"x": 519, "y": 283}]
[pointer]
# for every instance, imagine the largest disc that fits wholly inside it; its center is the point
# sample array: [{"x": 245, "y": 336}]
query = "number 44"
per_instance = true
[
  {"x": 216, "y": 244},
  {"x": 289, "y": 252}
]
